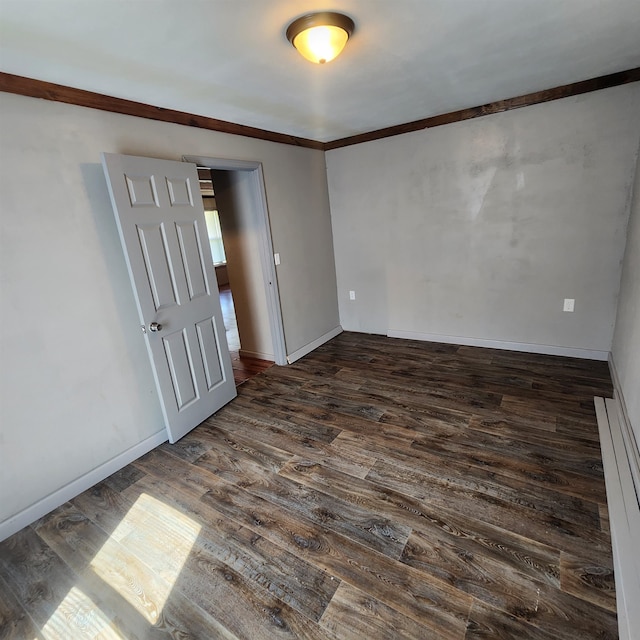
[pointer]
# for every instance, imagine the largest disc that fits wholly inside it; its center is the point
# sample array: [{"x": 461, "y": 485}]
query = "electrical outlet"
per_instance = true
[
  {"x": 276, "y": 258},
  {"x": 569, "y": 304},
  {"x": 352, "y": 295}
]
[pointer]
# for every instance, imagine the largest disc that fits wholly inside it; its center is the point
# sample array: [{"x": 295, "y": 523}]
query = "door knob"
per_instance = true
[{"x": 155, "y": 326}]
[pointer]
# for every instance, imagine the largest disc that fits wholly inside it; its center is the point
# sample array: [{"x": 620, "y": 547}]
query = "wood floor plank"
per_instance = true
[
  {"x": 236, "y": 600},
  {"x": 295, "y": 582},
  {"x": 123, "y": 478},
  {"x": 303, "y": 375},
  {"x": 546, "y": 365},
  {"x": 498, "y": 585},
  {"x": 15, "y": 623},
  {"x": 532, "y": 421},
  {"x": 488, "y": 623},
  {"x": 548, "y": 450},
  {"x": 356, "y": 463},
  {"x": 376, "y": 488},
  {"x": 280, "y": 393},
  {"x": 589, "y": 581},
  {"x": 433, "y": 604},
  {"x": 580, "y": 429},
  {"x": 366, "y": 527},
  {"x": 573, "y": 408},
  {"x": 377, "y": 443},
  {"x": 250, "y": 612},
  {"x": 263, "y": 454},
  {"x": 535, "y": 472},
  {"x": 581, "y": 462},
  {"x": 452, "y": 397},
  {"x": 399, "y": 404},
  {"x": 354, "y": 614},
  {"x": 576, "y": 495},
  {"x": 447, "y": 377},
  {"x": 49, "y": 590},
  {"x": 290, "y": 420},
  {"x": 122, "y": 588},
  {"x": 466, "y": 469},
  {"x": 245, "y": 367},
  {"x": 549, "y": 529},
  {"x": 510, "y": 429},
  {"x": 361, "y": 525},
  {"x": 604, "y": 518},
  {"x": 430, "y": 603},
  {"x": 425, "y": 420},
  {"x": 102, "y": 505},
  {"x": 521, "y": 554},
  {"x": 311, "y": 418}
]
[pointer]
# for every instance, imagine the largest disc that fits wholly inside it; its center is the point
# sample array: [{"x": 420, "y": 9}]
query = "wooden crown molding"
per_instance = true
[
  {"x": 60, "y": 93},
  {"x": 565, "y": 91}
]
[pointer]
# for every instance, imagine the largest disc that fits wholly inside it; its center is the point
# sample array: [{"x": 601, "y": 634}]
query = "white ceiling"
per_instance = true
[{"x": 229, "y": 59}]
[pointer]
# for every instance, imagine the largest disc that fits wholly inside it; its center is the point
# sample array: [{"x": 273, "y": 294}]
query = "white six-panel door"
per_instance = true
[{"x": 160, "y": 218}]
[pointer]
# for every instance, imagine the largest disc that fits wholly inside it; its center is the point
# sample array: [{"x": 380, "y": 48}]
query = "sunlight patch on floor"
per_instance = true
[
  {"x": 143, "y": 557},
  {"x": 140, "y": 562},
  {"x": 78, "y": 616}
]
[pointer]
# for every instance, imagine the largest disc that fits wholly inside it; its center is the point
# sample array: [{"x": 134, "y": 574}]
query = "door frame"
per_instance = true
[{"x": 269, "y": 274}]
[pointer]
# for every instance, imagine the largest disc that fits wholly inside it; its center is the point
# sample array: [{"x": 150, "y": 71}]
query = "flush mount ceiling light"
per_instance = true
[{"x": 320, "y": 37}]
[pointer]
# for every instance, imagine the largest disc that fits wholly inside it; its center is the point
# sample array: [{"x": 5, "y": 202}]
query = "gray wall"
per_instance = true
[
  {"x": 480, "y": 229},
  {"x": 626, "y": 340},
  {"x": 76, "y": 389},
  {"x": 237, "y": 209}
]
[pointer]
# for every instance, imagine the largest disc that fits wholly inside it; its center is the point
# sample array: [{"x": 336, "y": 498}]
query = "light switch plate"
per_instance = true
[{"x": 569, "y": 304}]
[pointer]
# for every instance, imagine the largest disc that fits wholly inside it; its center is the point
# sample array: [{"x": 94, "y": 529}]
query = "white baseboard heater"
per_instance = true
[{"x": 622, "y": 473}]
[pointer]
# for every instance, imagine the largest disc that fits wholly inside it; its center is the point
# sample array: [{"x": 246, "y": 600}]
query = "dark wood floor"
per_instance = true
[
  {"x": 377, "y": 488},
  {"x": 244, "y": 368}
]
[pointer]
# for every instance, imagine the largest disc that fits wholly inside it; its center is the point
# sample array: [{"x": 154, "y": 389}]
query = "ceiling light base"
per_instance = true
[{"x": 320, "y": 37}]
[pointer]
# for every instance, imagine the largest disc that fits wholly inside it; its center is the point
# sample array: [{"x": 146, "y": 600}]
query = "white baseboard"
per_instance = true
[
  {"x": 308, "y": 348},
  {"x": 546, "y": 349},
  {"x": 624, "y": 514},
  {"x": 256, "y": 354},
  {"x": 77, "y": 486}
]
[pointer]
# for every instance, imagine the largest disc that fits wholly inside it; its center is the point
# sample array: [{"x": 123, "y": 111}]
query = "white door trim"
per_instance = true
[{"x": 266, "y": 246}]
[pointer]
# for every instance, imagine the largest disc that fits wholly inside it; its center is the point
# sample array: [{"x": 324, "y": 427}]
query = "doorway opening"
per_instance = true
[
  {"x": 244, "y": 367},
  {"x": 240, "y": 239}
]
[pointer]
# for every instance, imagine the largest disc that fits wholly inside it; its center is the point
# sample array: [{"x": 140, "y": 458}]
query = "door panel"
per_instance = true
[
  {"x": 182, "y": 375},
  {"x": 192, "y": 259},
  {"x": 180, "y": 191},
  {"x": 163, "y": 234},
  {"x": 210, "y": 352},
  {"x": 142, "y": 191},
  {"x": 158, "y": 266}
]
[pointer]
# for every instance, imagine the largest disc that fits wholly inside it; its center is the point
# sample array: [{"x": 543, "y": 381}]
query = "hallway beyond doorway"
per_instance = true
[{"x": 244, "y": 368}]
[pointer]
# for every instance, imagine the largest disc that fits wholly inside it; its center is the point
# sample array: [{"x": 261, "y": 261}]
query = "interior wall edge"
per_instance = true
[
  {"x": 308, "y": 348},
  {"x": 259, "y": 355},
  {"x": 24, "y": 518},
  {"x": 545, "y": 349}
]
